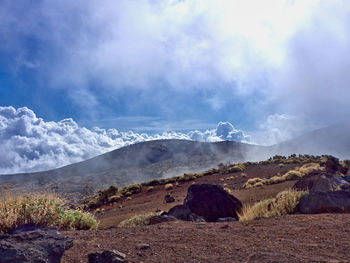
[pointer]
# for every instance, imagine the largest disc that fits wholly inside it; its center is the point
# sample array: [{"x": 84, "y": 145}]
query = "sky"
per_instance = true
[{"x": 80, "y": 72}]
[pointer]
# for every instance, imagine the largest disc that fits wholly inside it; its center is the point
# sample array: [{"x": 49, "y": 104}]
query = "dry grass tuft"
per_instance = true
[
  {"x": 40, "y": 210},
  {"x": 284, "y": 203},
  {"x": 240, "y": 167},
  {"x": 294, "y": 174},
  {"x": 168, "y": 187},
  {"x": 138, "y": 220}
]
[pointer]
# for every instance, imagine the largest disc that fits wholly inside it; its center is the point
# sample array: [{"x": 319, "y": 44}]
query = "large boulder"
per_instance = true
[
  {"x": 325, "y": 202},
  {"x": 322, "y": 182},
  {"x": 332, "y": 166},
  {"x": 182, "y": 212},
  {"x": 211, "y": 202},
  {"x": 33, "y": 245}
]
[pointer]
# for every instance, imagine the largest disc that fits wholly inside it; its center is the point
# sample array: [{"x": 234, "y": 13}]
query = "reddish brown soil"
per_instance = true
[
  {"x": 293, "y": 238},
  {"x": 144, "y": 201}
]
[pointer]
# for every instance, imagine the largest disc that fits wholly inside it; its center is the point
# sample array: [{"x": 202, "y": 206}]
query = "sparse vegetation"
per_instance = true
[
  {"x": 138, "y": 220},
  {"x": 294, "y": 174},
  {"x": 40, "y": 210},
  {"x": 308, "y": 163},
  {"x": 240, "y": 167},
  {"x": 284, "y": 203},
  {"x": 168, "y": 187}
]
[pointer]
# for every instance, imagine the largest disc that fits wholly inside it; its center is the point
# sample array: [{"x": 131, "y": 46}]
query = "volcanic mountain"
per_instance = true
[{"x": 164, "y": 158}]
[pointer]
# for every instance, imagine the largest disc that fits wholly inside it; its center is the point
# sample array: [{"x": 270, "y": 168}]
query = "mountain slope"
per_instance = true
[
  {"x": 165, "y": 158},
  {"x": 132, "y": 164},
  {"x": 331, "y": 140}
]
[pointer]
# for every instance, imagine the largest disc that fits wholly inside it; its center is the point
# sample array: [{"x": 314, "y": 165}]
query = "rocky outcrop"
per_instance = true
[
  {"x": 322, "y": 182},
  {"x": 206, "y": 202},
  {"x": 325, "y": 202},
  {"x": 183, "y": 212},
  {"x": 211, "y": 202},
  {"x": 107, "y": 256},
  {"x": 33, "y": 245}
]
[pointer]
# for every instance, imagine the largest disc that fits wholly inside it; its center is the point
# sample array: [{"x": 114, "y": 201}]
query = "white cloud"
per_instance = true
[
  {"x": 31, "y": 144},
  {"x": 281, "y": 127}
]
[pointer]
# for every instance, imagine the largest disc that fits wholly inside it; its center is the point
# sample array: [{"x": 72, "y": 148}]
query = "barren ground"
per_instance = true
[{"x": 292, "y": 238}]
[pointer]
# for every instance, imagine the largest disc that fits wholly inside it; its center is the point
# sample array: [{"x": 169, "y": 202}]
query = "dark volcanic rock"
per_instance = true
[
  {"x": 333, "y": 165},
  {"x": 325, "y": 202},
  {"x": 182, "y": 212},
  {"x": 211, "y": 202},
  {"x": 169, "y": 198},
  {"x": 39, "y": 246},
  {"x": 321, "y": 181},
  {"x": 107, "y": 256}
]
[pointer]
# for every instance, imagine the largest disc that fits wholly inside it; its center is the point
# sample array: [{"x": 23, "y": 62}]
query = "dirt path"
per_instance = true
[{"x": 294, "y": 238}]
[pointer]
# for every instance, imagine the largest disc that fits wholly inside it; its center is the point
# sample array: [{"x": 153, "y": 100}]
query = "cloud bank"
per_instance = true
[
  {"x": 278, "y": 56},
  {"x": 28, "y": 143}
]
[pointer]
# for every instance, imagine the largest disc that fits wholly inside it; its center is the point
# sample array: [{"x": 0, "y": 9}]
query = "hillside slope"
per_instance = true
[
  {"x": 331, "y": 140},
  {"x": 165, "y": 158},
  {"x": 132, "y": 164}
]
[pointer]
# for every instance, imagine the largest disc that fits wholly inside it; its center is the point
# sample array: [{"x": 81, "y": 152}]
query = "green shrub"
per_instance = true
[{"x": 40, "y": 210}]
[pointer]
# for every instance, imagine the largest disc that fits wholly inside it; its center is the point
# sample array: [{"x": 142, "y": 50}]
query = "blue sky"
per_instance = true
[{"x": 273, "y": 69}]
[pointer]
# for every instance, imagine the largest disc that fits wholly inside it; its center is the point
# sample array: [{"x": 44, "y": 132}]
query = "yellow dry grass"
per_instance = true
[
  {"x": 294, "y": 174},
  {"x": 41, "y": 210},
  {"x": 138, "y": 220},
  {"x": 284, "y": 203}
]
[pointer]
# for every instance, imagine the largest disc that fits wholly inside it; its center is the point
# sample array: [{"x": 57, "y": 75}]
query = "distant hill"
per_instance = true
[
  {"x": 132, "y": 164},
  {"x": 165, "y": 158},
  {"x": 332, "y": 140}
]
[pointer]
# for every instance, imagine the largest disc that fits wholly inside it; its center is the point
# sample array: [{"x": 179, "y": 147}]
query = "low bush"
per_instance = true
[
  {"x": 138, "y": 220},
  {"x": 131, "y": 189},
  {"x": 114, "y": 198},
  {"x": 240, "y": 167},
  {"x": 42, "y": 211},
  {"x": 284, "y": 203},
  {"x": 168, "y": 187}
]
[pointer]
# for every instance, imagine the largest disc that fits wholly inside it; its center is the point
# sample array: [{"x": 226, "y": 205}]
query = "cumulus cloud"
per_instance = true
[
  {"x": 29, "y": 143},
  {"x": 293, "y": 54},
  {"x": 281, "y": 127}
]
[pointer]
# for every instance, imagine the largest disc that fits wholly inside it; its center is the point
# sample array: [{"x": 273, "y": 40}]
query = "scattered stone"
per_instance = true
[
  {"x": 169, "y": 198},
  {"x": 227, "y": 219},
  {"x": 45, "y": 245},
  {"x": 325, "y": 202},
  {"x": 142, "y": 246},
  {"x": 211, "y": 202},
  {"x": 107, "y": 256}
]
